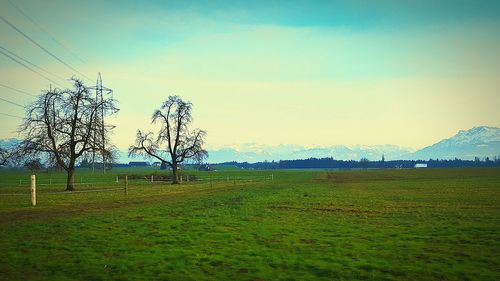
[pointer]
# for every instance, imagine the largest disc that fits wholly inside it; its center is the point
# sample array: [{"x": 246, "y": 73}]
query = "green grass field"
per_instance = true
[{"x": 425, "y": 224}]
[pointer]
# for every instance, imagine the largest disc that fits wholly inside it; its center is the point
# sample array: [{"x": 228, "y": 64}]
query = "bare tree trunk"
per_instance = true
[
  {"x": 175, "y": 174},
  {"x": 71, "y": 179}
]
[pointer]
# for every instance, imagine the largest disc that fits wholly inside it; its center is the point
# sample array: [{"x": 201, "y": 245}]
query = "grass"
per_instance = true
[{"x": 428, "y": 224}]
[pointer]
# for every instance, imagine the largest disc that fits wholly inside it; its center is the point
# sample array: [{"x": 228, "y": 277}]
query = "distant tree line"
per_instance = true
[{"x": 330, "y": 163}]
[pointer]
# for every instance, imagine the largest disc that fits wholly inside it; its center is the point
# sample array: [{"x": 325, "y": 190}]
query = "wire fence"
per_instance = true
[
  {"x": 118, "y": 179},
  {"x": 119, "y": 183}
]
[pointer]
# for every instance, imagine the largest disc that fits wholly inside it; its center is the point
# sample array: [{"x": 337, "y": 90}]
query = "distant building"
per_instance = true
[
  {"x": 420, "y": 165},
  {"x": 204, "y": 167},
  {"x": 138, "y": 164}
]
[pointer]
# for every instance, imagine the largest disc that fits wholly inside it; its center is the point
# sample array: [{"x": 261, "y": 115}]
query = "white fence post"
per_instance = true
[
  {"x": 33, "y": 190},
  {"x": 152, "y": 178},
  {"x": 116, "y": 179},
  {"x": 272, "y": 177}
]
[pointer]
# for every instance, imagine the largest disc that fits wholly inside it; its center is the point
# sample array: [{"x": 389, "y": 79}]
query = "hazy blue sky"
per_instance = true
[{"x": 298, "y": 72}]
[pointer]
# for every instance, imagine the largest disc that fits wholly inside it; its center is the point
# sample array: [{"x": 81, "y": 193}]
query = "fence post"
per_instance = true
[
  {"x": 180, "y": 179},
  {"x": 33, "y": 190},
  {"x": 126, "y": 185},
  {"x": 116, "y": 179},
  {"x": 152, "y": 178},
  {"x": 272, "y": 177},
  {"x": 187, "y": 178}
]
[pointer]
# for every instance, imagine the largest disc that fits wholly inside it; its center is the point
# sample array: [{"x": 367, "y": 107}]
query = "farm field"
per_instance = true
[{"x": 410, "y": 224}]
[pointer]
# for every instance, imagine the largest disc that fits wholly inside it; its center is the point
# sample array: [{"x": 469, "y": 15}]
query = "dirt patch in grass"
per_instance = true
[
  {"x": 328, "y": 210},
  {"x": 377, "y": 175}
]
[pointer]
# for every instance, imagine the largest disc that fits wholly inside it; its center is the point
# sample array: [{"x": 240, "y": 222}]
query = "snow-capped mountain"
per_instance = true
[
  {"x": 466, "y": 144},
  {"x": 9, "y": 143},
  {"x": 254, "y": 152},
  {"x": 479, "y": 142}
]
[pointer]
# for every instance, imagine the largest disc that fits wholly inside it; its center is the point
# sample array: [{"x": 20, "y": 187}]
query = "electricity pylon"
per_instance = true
[{"x": 98, "y": 124}]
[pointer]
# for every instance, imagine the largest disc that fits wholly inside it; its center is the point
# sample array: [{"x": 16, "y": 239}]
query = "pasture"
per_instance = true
[{"x": 415, "y": 224}]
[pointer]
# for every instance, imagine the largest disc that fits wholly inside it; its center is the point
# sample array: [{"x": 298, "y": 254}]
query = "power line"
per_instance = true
[
  {"x": 32, "y": 64},
  {"x": 41, "y": 47},
  {"x": 10, "y": 115},
  {"x": 45, "y": 31},
  {"x": 11, "y": 102},
  {"x": 17, "y": 90},
  {"x": 27, "y": 67}
]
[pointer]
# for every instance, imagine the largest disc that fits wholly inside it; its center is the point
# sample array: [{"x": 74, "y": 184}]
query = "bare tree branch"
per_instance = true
[
  {"x": 61, "y": 122},
  {"x": 180, "y": 143}
]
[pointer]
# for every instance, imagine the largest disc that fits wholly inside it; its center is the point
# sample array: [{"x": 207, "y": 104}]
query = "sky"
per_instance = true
[{"x": 311, "y": 73}]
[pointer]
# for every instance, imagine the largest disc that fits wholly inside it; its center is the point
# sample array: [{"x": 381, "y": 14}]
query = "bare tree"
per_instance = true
[
  {"x": 11, "y": 157},
  {"x": 62, "y": 123},
  {"x": 174, "y": 143},
  {"x": 34, "y": 165},
  {"x": 4, "y": 157}
]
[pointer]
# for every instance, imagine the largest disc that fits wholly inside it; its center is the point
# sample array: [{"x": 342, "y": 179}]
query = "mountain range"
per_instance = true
[
  {"x": 256, "y": 153},
  {"x": 466, "y": 144},
  {"x": 479, "y": 142}
]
